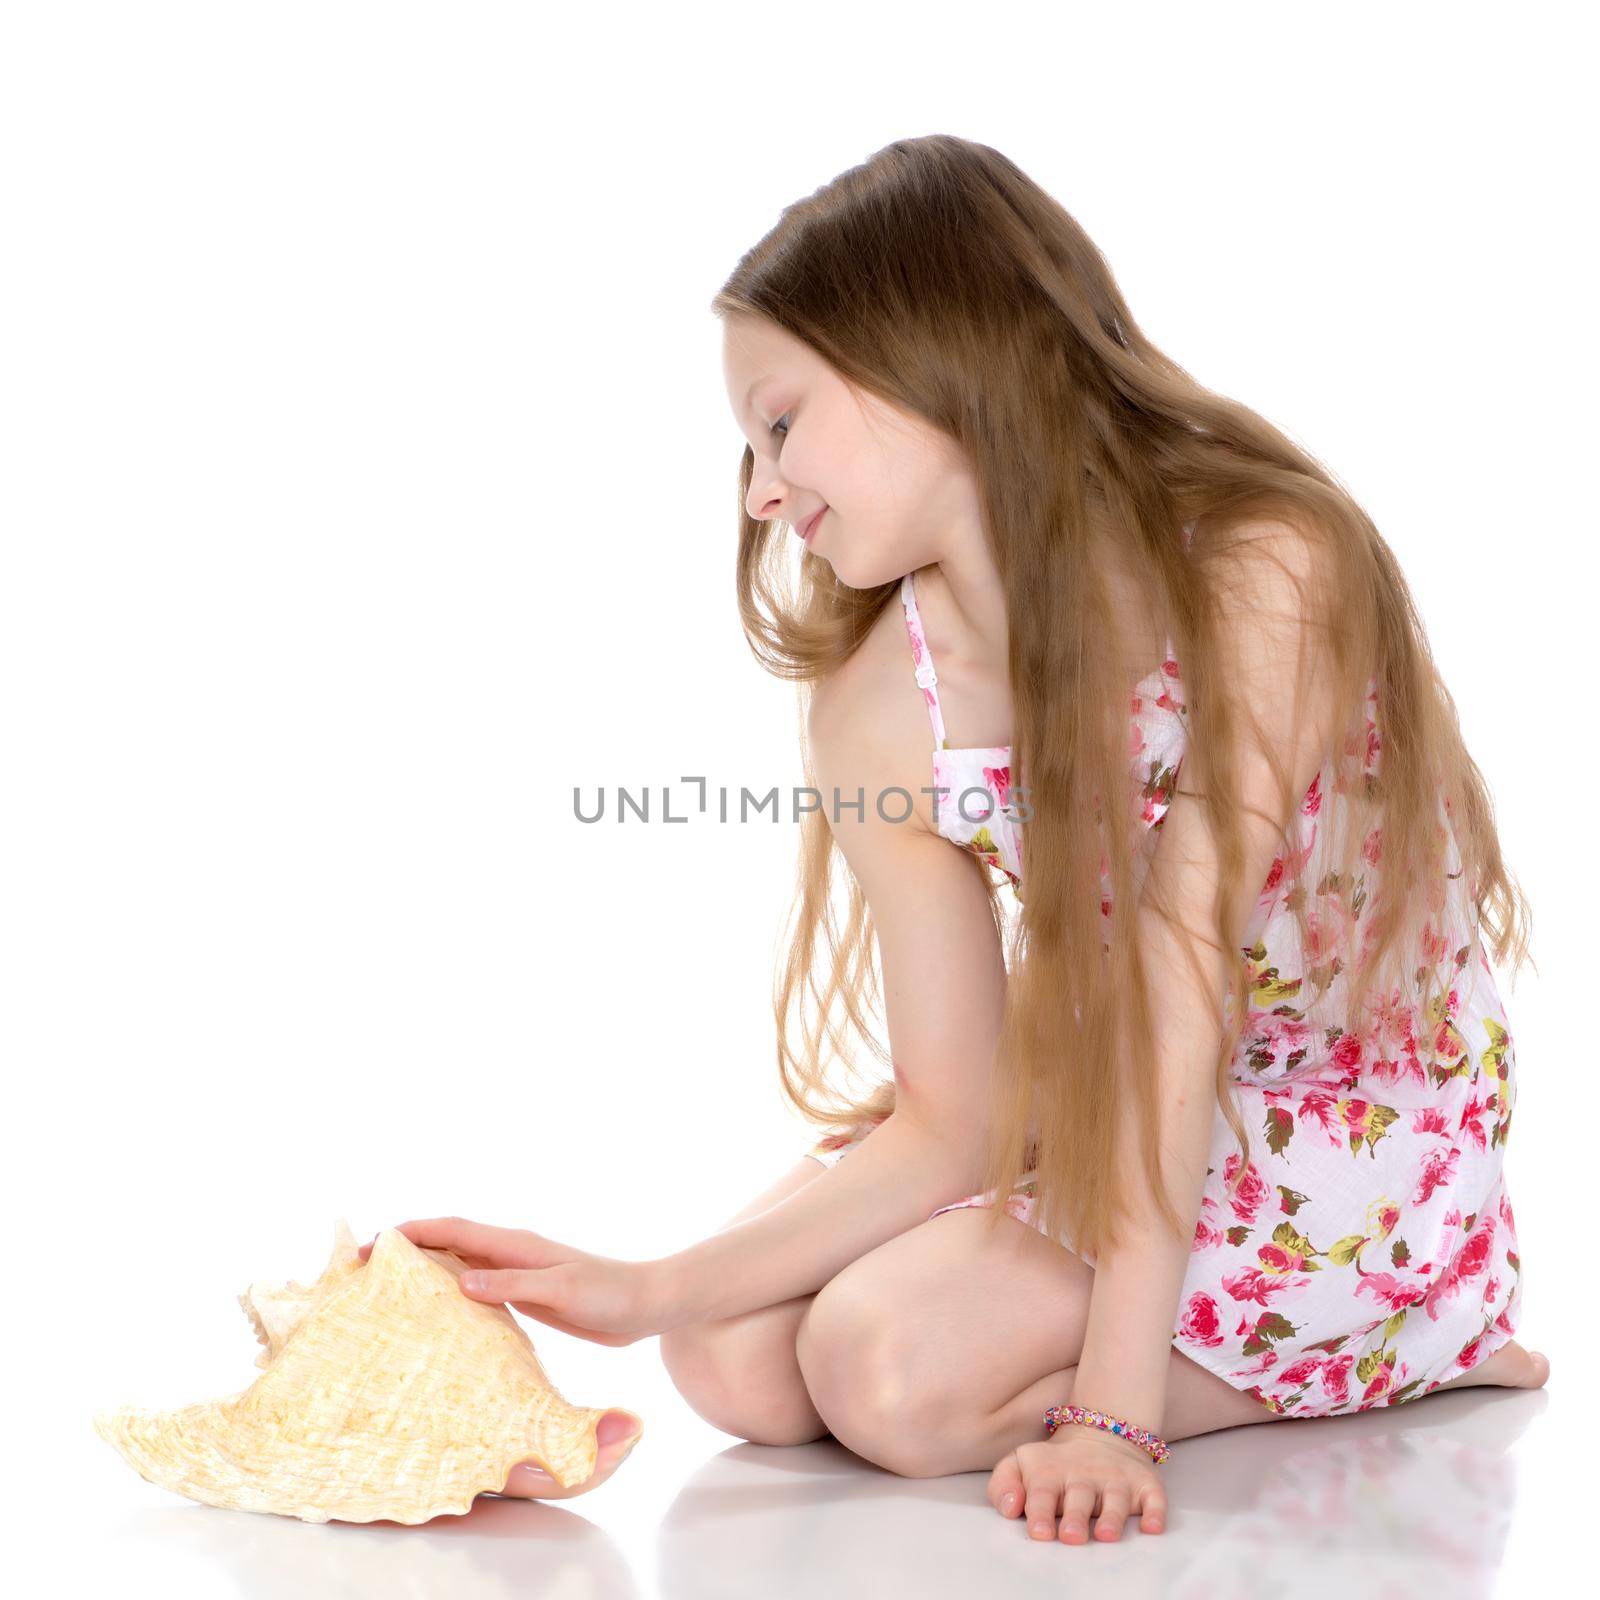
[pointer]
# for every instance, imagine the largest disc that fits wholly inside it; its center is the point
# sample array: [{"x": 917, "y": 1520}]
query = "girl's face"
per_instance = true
[{"x": 898, "y": 492}]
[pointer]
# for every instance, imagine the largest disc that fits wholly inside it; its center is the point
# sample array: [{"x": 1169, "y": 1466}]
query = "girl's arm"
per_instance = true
[
  {"x": 1126, "y": 1353},
  {"x": 944, "y": 992},
  {"x": 886, "y": 1185}
]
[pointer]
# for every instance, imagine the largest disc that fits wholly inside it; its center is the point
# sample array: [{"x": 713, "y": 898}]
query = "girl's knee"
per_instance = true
[{"x": 738, "y": 1377}]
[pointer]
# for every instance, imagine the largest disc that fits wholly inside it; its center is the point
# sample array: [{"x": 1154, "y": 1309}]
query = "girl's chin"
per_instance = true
[
  {"x": 854, "y": 576},
  {"x": 853, "y": 566}
]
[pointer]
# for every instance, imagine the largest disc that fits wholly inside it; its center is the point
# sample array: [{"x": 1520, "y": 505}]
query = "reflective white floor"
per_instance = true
[{"x": 1464, "y": 1494}]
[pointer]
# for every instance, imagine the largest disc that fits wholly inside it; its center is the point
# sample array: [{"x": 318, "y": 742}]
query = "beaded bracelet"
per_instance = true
[{"x": 1152, "y": 1444}]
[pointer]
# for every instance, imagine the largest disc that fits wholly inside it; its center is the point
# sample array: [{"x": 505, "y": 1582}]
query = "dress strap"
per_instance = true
[{"x": 922, "y": 658}]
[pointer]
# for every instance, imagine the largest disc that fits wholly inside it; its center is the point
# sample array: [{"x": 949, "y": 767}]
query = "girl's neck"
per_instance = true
[
  {"x": 969, "y": 612},
  {"x": 964, "y": 620},
  {"x": 964, "y": 616}
]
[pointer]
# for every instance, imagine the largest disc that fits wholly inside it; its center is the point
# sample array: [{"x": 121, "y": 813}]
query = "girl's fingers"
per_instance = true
[
  {"x": 1044, "y": 1499},
  {"x": 1115, "y": 1499},
  {"x": 1005, "y": 1487},
  {"x": 458, "y": 1234},
  {"x": 520, "y": 1289},
  {"x": 464, "y": 1256},
  {"x": 1154, "y": 1506},
  {"x": 408, "y": 1229},
  {"x": 1035, "y": 1489},
  {"x": 504, "y": 1284},
  {"x": 514, "y": 1245},
  {"x": 1080, "y": 1502}
]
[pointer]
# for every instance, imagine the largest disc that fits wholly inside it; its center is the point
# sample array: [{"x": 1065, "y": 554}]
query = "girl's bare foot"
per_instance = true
[
  {"x": 1510, "y": 1367},
  {"x": 618, "y": 1432},
  {"x": 1530, "y": 1367}
]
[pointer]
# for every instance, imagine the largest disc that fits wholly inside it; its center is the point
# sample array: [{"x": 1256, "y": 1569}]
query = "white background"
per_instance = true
[{"x": 369, "y": 482}]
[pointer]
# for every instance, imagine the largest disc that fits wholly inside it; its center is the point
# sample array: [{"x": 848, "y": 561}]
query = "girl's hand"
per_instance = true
[
  {"x": 593, "y": 1297},
  {"x": 1093, "y": 1471}
]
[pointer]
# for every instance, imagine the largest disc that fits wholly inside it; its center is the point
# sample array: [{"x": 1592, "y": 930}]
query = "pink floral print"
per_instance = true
[
  {"x": 972, "y": 786},
  {"x": 1370, "y": 1252}
]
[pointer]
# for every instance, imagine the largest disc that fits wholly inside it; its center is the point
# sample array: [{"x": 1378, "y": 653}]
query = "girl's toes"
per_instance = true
[
  {"x": 617, "y": 1428},
  {"x": 1540, "y": 1364},
  {"x": 616, "y": 1434},
  {"x": 529, "y": 1481}
]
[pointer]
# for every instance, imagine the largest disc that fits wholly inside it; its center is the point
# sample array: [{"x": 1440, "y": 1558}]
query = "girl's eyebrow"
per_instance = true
[{"x": 765, "y": 377}]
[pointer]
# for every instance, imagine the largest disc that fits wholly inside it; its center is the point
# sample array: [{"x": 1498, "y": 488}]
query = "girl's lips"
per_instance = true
[{"x": 811, "y": 525}]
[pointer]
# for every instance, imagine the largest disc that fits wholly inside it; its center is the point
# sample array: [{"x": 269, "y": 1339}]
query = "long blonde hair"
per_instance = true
[{"x": 939, "y": 277}]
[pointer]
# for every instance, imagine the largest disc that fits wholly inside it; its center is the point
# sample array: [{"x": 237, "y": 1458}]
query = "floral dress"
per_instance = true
[{"x": 1370, "y": 1252}]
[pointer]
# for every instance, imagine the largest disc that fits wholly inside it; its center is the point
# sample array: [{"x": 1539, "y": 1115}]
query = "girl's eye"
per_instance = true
[{"x": 782, "y": 422}]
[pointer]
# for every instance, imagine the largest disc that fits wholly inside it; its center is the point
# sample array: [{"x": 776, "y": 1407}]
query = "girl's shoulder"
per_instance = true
[{"x": 867, "y": 723}]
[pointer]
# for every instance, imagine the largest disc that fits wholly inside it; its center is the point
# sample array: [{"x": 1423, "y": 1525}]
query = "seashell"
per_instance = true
[{"x": 386, "y": 1394}]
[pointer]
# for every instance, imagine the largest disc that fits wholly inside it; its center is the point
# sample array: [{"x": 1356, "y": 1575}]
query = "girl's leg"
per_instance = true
[
  {"x": 741, "y": 1373},
  {"x": 1197, "y": 1402},
  {"x": 923, "y": 1381}
]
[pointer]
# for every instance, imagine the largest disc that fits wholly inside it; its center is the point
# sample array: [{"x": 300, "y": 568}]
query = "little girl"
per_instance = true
[{"x": 1180, "y": 922}]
